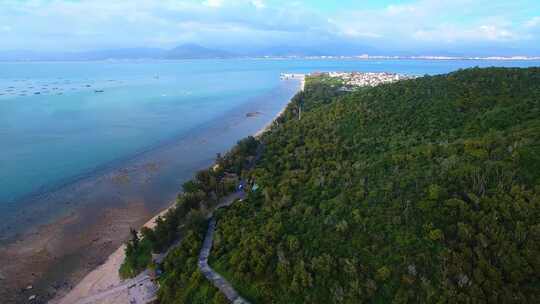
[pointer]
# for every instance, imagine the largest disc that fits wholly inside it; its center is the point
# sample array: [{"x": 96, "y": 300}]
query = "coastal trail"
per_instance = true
[
  {"x": 142, "y": 289},
  {"x": 215, "y": 278}
]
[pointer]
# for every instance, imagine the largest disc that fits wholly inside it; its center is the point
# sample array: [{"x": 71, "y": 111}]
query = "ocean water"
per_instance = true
[{"x": 63, "y": 122}]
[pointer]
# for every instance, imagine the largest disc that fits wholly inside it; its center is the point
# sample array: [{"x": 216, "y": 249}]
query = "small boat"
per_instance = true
[
  {"x": 98, "y": 91},
  {"x": 37, "y": 93}
]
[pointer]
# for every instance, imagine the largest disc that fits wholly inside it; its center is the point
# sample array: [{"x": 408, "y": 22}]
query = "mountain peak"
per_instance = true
[{"x": 195, "y": 51}]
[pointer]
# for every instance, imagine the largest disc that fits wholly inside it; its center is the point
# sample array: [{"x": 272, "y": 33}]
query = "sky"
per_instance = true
[{"x": 416, "y": 27}]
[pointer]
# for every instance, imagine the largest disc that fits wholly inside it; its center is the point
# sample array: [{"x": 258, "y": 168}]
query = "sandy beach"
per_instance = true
[
  {"x": 103, "y": 277},
  {"x": 107, "y": 274}
]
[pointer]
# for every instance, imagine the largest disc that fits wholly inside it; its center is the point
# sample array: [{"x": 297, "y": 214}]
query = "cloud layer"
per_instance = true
[{"x": 414, "y": 26}]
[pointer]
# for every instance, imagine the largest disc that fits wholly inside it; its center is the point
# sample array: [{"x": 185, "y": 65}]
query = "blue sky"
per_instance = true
[{"x": 427, "y": 27}]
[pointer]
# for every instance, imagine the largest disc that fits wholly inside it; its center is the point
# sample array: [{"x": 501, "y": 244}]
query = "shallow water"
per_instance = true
[{"x": 66, "y": 128}]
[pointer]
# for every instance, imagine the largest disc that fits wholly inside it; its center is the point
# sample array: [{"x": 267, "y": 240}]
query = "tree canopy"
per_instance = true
[
  {"x": 421, "y": 191},
  {"x": 425, "y": 190}
]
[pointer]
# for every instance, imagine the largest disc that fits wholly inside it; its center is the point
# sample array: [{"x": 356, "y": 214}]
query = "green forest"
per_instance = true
[
  {"x": 181, "y": 230},
  {"x": 421, "y": 191}
]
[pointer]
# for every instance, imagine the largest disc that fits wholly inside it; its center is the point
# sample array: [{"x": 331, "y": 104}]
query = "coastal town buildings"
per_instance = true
[
  {"x": 355, "y": 79},
  {"x": 368, "y": 79}
]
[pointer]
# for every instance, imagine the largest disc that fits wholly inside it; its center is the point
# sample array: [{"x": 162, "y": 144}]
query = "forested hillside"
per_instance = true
[{"x": 426, "y": 190}]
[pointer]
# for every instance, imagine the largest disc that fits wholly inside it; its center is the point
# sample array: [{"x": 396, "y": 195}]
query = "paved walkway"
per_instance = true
[
  {"x": 141, "y": 289},
  {"x": 223, "y": 285},
  {"x": 215, "y": 278}
]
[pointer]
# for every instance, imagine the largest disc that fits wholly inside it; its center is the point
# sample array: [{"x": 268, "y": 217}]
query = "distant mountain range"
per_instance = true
[
  {"x": 185, "y": 51},
  {"x": 195, "y": 51}
]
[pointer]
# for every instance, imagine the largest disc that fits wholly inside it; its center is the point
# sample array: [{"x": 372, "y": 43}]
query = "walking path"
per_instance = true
[
  {"x": 141, "y": 289},
  {"x": 215, "y": 278}
]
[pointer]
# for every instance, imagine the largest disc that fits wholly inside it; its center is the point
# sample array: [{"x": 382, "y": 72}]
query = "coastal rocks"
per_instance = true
[{"x": 253, "y": 114}]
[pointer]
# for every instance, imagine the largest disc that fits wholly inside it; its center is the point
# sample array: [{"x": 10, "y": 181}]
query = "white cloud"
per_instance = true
[
  {"x": 53, "y": 24},
  {"x": 452, "y": 34},
  {"x": 533, "y": 22},
  {"x": 164, "y": 23},
  {"x": 492, "y": 32},
  {"x": 258, "y": 4},
  {"x": 214, "y": 3},
  {"x": 221, "y": 3},
  {"x": 435, "y": 22}
]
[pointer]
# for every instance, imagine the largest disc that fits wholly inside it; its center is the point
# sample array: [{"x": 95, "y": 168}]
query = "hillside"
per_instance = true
[{"x": 422, "y": 191}]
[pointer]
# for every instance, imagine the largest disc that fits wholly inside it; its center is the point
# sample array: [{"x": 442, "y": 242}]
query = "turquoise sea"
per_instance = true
[{"x": 64, "y": 126}]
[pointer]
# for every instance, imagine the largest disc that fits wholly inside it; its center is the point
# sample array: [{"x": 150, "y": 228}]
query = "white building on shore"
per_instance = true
[
  {"x": 369, "y": 79},
  {"x": 285, "y": 76}
]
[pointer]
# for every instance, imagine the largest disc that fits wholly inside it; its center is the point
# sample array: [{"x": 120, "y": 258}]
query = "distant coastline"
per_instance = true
[
  {"x": 421, "y": 57},
  {"x": 292, "y": 57},
  {"x": 192, "y": 51}
]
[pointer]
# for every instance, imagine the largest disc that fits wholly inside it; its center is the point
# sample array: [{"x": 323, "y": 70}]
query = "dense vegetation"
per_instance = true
[
  {"x": 182, "y": 281},
  {"x": 198, "y": 198},
  {"x": 426, "y": 190}
]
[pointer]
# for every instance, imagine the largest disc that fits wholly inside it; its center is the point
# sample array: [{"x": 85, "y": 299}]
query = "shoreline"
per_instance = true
[
  {"x": 269, "y": 125},
  {"x": 90, "y": 219},
  {"x": 106, "y": 275}
]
